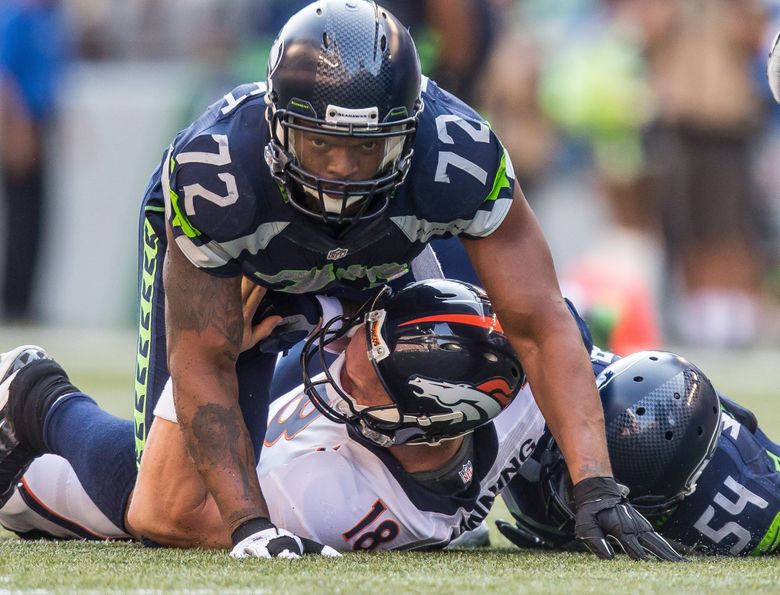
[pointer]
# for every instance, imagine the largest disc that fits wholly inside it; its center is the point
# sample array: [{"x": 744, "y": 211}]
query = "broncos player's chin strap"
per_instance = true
[{"x": 343, "y": 410}]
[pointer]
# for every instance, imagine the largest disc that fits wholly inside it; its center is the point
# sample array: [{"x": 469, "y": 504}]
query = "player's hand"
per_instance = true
[
  {"x": 603, "y": 517},
  {"x": 251, "y": 296},
  {"x": 268, "y": 541},
  {"x": 297, "y": 317}
]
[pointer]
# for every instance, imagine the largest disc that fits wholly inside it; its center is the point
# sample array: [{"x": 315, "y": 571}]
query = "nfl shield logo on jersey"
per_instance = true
[
  {"x": 338, "y": 253},
  {"x": 466, "y": 472}
]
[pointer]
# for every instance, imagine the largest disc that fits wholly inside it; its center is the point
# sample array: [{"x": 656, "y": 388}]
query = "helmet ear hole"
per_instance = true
[
  {"x": 700, "y": 430},
  {"x": 640, "y": 410},
  {"x": 638, "y": 378},
  {"x": 669, "y": 435}
]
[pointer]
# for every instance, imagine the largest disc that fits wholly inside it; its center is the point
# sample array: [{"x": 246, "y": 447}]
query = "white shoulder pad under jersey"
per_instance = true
[{"x": 320, "y": 483}]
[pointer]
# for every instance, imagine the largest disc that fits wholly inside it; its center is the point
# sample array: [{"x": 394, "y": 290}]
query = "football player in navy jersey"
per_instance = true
[
  {"x": 695, "y": 463},
  {"x": 366, "y": 161}
]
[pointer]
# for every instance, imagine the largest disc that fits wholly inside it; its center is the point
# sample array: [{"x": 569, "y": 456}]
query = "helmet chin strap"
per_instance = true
[
  {"x": 367, "y": 433},
  {"x": 341, "y": 405}
]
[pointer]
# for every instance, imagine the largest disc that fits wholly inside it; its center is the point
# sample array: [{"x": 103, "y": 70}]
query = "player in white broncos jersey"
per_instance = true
[
  {"x": 363, "y": 499},
  {"x": 402, "y": 449}
]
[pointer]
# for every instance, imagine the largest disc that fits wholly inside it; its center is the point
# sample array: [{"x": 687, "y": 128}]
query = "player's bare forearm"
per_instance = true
[
  {"x": 516, "y": 269},
  {"x": 204, "y": 328},
  {"x": 559, "y": 371}
]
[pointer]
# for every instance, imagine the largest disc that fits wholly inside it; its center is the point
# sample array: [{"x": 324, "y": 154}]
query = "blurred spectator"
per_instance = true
[
  {"x": 454, "y": 38},
  {"x": 700, "y": 56},
  {"x": 32, "y": 52},
  {"x": 507, "y": 92},
  {"x": 594, "y": 88}
]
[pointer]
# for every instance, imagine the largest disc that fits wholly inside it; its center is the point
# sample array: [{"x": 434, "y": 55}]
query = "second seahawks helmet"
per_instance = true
[
  {"x": 662, "y": 419},
  {"x": 663, "y": 423}
]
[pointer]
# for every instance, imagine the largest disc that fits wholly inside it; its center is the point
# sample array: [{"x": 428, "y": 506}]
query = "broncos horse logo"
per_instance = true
[{"x": 484, "y": 401}]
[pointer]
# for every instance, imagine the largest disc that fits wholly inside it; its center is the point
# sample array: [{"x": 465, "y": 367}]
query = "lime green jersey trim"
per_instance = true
[
  {"x": 770, "y": 540},
  {"x": 775, "y": 460},
  {"x": 149, "y": 209},
  {"x": 283, "y": 192},
  {"x": 501, "y": 180},
  {"x": 179, "y": 218},
  {"x": 141, "y": 388}
]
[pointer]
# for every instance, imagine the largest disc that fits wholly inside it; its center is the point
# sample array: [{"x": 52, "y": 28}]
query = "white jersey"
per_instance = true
[
  {"x": 322, "y": 484},
  {"x": 50, "y": 499}
]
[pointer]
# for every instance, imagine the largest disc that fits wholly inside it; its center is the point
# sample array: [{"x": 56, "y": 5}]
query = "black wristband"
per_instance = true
[
  {"x": 249, "y": 527},
  {"x": 592, "y": 488}
]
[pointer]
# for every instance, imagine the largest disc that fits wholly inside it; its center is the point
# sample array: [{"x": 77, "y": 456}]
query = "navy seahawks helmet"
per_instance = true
[
  {"x": 662, "y": 418},
  {"x": 342, "y": 68},
  {"x": 663, "y": 423},
  {"x": 440, "y": 354}
]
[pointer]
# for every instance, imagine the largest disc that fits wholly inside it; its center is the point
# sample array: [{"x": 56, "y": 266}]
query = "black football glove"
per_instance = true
[
  {"x": 260, "y": 538},
  {"x": 603, "y": 516},
  {"x": 520, "y": 537}
]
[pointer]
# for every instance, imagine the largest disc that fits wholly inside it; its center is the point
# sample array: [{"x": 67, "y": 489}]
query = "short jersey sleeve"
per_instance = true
[
  {"x": 462, "y": 178},
  {"x": 209, "y": 182}
]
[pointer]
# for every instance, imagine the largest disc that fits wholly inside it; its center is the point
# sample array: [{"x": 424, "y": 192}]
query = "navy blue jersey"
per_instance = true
[
  {"x": 229, "y": 216},
  {"x": 735, "y": 509}
]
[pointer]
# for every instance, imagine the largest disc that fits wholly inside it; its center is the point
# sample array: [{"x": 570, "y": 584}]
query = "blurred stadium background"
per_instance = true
[{"x": 642, "y": 131}]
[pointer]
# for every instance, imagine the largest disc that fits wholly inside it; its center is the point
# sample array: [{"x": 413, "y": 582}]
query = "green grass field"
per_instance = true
[
  {"x": 103, "y": 366},
  {"x": 127, "y": 567}
]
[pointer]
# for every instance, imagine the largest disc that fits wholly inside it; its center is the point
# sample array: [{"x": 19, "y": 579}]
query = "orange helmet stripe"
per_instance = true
[{"x": 470, "y": 319}]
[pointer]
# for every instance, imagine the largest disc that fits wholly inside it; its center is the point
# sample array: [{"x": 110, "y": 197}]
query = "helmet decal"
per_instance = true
[
  {"x": 472, "y": 402},
  {"x": 275, "y": 57},
  {"x": 343, "y": 116},
  {"x": 499, "y": 389}
]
